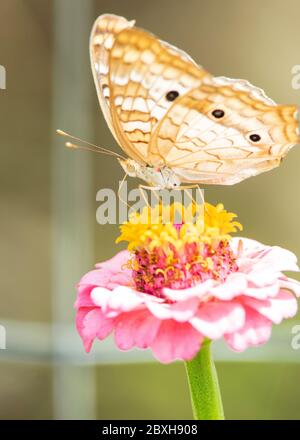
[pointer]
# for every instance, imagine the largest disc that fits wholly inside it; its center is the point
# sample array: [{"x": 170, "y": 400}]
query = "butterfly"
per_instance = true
[{"x": 175, "y": 121}]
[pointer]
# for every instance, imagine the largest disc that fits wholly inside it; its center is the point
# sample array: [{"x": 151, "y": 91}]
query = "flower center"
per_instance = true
[
  {"x": 152, "y": 271},
  {"x": 180, "y": 255}
]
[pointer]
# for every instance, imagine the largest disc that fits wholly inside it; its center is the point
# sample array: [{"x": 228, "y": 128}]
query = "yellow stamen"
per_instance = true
[{"x": 213, "y": 224}]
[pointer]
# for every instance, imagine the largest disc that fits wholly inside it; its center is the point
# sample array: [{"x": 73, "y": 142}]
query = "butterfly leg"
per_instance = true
[
  {"x": 194, "y": 186},
  {"x": 119, "y": 191},
  {"x": 177, "y": 188},
  {"x": 143, "y": 188}
]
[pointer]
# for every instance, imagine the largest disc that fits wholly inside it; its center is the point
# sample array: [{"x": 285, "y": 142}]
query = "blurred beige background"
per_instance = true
[{"x": 49, "y": 234}]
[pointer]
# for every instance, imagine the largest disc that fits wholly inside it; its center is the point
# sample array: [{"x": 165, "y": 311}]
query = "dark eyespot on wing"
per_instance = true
[
  {"x": 172, "y": 95},
  {"x": 218, "y": 113},
  {"x": 254, "y": 137}
]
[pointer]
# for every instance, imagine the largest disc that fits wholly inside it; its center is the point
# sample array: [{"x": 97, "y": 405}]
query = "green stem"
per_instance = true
[{"x": 204, "y": 386}]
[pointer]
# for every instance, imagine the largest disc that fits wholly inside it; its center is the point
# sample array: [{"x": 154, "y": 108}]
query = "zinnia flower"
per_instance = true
[{"x": 179, "y": 284}]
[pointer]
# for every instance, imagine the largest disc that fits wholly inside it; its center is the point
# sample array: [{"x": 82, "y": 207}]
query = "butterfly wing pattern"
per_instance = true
[
  {"x": 138, "y": 72},
  {"x": 253, "y": 134},
  {"x": 166, "y": 111}
]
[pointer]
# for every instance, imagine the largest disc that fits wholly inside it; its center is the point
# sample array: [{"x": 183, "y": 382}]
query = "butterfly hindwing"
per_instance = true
[{"x": 248, "y": 135}]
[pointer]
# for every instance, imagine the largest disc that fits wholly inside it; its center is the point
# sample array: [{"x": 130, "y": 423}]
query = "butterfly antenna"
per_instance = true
[
  {"x": 88, "y": 146},
  {"x": 85, "y": 148}
]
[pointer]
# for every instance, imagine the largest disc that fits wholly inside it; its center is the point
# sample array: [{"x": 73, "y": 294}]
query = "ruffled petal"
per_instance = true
[
  {"x": 290, "y": 284},
  {"x": 91, "y": 324},
  {"x": 114, "y": 302},
  {"x": 117, "y": 263},
  {"x": 95, "y": 277},
  {"x": 198, "y": 291},
  {"x": 176, "y": 341},
  {"x": 181, "y": 311},
  {"x": 256, "y": 331},
  {"x": 136, "y": 329},
  {"x": 283, "y": 306},
  {"x": 84, "y": 297},
  {"x": 214, "y": 319},
  {"x": 86, "y": 285},
  {"x": 109, "y": 274},
  {"x": 281, "y": 259},
  {"x": 262, "y": 292},
  {"x": 274, "y": 257},
  {"x": 234, "y": 285}
]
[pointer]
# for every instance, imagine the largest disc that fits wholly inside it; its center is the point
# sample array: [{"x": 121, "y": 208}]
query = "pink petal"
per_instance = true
[
  {"x": 214, "y": 319},
  {"x": 273, "y": 256},
  {"x": 137, "y": 328},
  {"x": 121, "y": 299},
  {"x": 176, "y": 341},
  {"x": 281, "y": 259},
  {"x": 95, "y": 277},
  {"x": 235, "y": 284},
  {"x": 249, "y": 247},
  {"x": 87, "y": 283},
  {"x": 199, "y": 291},
  {"x": 109, "y": 274},
  {"x": 91, "y": 324},
  {"x": 116, "y": 263},
  {"x": 181, "y": 311},
  {"x": 119, "y": 279},
  {"x": 290, "y": 284},
  {"x": 84, "y": 297},
  {"x": 256, "y": 331},
  {"x": 284, "y": 305},
  {"x": 260, "y": 276},
  {"x": 263, "y": 292}
]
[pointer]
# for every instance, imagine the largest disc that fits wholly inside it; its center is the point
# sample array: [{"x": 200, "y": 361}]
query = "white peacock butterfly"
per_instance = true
[{"x": 174, "y": 120}]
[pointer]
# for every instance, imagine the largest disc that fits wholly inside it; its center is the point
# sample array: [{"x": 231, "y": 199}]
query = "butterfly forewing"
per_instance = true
[
  {"x": 145, "y": 75},
  {"x": 134, "y": 71},
  {"x": 103, "y": 35}
]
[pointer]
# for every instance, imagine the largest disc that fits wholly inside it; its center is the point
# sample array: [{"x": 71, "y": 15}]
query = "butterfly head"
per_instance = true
[
  {"x": 162, "y": 178},
  {"x": 130, "y": 166}
]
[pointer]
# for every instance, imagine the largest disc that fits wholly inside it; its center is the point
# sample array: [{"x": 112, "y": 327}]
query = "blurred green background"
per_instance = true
[{"x": 49, "y": 234}]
